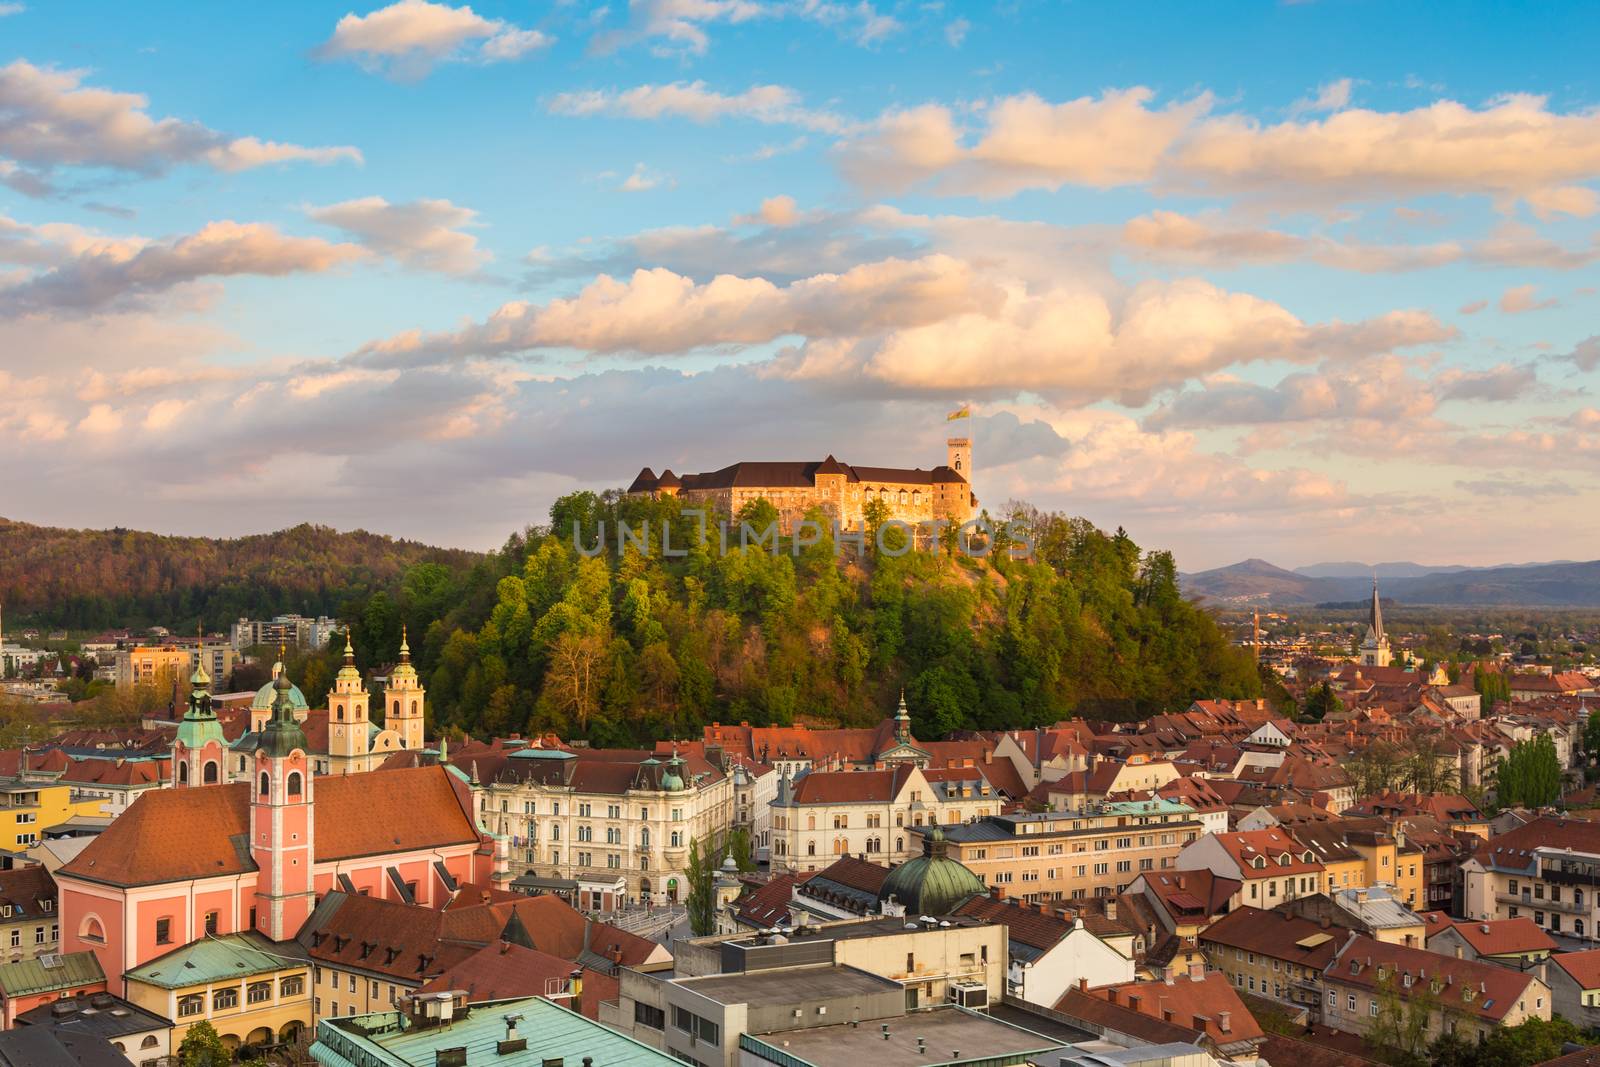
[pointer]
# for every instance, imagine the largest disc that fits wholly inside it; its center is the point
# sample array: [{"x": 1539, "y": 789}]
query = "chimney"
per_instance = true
[
  {"x": 997, "y": 892},
  {"x": 1111, "y": 907},
  {"x": 1324, "y": 923},
  {"x": 1224, "y": 1022},
  {"x": 1180, "y": 881},
  {"x": 1083, "y": 985},
  {"x": 1133, "y": 1001},
  {"x": 1200, "y": 1023},
  {"x": 1111, "y": 994}
]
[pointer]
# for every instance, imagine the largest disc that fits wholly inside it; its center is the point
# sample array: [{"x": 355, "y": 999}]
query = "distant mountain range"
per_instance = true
[{"x": 1256, "y": 582}]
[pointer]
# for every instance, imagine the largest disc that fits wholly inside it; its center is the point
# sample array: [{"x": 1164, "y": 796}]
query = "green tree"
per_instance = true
[
  {"x": 1531, "y": 1041},
  {"x": 737, "y": 845},
  {"x": 1591, "y": 734},
  {"x": 202, "y": 1047},
  {"x": 1400, "y": 1028},
  {"x": 1320, "y": 702},
  {"x": 1531, "y": 774},
  {"x": 701, "y": 898}
]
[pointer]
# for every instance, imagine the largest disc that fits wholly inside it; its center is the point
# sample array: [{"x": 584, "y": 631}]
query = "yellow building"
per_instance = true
[
  {"x": 28, "y": 808},
  {"x": 242, "y": 984},
  {"x": 1359, "y": 858}
]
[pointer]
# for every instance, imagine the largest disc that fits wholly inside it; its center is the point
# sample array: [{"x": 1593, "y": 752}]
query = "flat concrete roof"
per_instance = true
[
  {"x": 788, "y": 985},
  {"x": 949, "y": 1033}
]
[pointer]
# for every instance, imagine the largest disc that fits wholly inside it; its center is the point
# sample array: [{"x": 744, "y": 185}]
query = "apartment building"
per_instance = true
[
  {"x": 1270, "y": 866},
  {"x": 1547, "y": 870},
  {"x": 1468, "y": 998},
  {"x": 1273, "y": 954},
  {"x": 822, "y": 815},
  {"x": 608, "y": 823},
  {"x": 1069, "y": 855},
  {"x": 162, "y": 665}
]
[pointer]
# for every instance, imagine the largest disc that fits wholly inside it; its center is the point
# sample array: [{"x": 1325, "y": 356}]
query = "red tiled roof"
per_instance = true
[
  {"x": 401, "y": 941},
  {"x": 1280, "y": 853},
  {"x": 1025, "y": 924},
  {"x": 1278, "y": 935},
  {"x": 170, "y": 835},
  {"x": 1176, "y": 888},
  {"x": 1484, "y": 990},
  {"x": 850, "y": 787},
  {"x": 1498, "y": 937},
  {"x": 1513, "y": 849},
  {"x": 503, "y": 971},
  {"x": 1205, "y": 1004},
  {"x": 768, "y": 904},
  {"x": 1583, "y": 967}
]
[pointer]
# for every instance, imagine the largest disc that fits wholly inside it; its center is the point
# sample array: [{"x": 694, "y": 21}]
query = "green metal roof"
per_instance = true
[
  {"x": 388, "y": 1039},
  {"x": 214, "y": 959},
  {"x": 50, "y": 972}
]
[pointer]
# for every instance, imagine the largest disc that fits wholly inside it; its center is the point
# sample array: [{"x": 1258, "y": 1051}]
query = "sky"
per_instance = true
[{"x": 1310, "y": 281}]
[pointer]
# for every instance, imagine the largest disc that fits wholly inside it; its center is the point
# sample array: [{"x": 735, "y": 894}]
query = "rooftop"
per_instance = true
[
  {"x": 788, "y": 985},
  {"x": 50, "y": 972},
  {"x": 551, "y": 1032},
  {"x": 949, "y": 1035},
  {"x": 98, "y": 1013},
  {"x": 214, "y": 959}
]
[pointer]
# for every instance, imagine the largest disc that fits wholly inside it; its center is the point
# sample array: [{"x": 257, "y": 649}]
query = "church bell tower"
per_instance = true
[
  {"x": 281, "y": 824},
  {"x": 349, "y": 725},
  {"x": 405, "y": 699}
]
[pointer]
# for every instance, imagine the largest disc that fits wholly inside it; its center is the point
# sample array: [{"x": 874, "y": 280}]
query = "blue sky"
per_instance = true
[{"x": 1312, "y": 281}]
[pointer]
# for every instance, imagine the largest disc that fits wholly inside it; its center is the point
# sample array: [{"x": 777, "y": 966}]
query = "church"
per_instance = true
[
  {"x": 840, "y": 490},
  {"x": 210, "y": 858},
  {"x": 340, "y": 739}
]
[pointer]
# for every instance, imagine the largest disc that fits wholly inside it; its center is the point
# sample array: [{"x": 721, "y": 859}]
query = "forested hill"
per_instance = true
[
  {"x": 87, "y": 579},
  {"x": 621, "y": 648}
]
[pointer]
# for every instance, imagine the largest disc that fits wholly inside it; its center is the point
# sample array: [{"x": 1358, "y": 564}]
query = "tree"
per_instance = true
[
  {"x": 1591, "y": 734},
  {"x": 202, "y": 1047},
  {"x": 701, "y": 898},
  {"x": 1531, "y": 1041},
  {"x": 1401, "y": 1026},
  {"x": 1531, "y": 774},
  {"x": 737, "y": 845},
  {"x": 576, "y": 674},
  {"x": 1493, "y": 686},
  {"x": 1320, "y": 702}
]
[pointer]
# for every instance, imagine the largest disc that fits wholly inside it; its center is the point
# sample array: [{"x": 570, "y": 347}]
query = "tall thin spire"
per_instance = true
[{"x": 1376, "y": 619}]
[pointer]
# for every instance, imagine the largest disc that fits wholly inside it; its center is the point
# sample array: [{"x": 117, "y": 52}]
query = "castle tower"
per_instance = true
[
  {"x": 405, "y": 697},
  {"x": 198, "y": 747},
  {"x": 349, "y": 725},
  {"x": 958, "y": 456},
  {"x": 1375, "y": 646},
  {"x": 281, "y": 824}
]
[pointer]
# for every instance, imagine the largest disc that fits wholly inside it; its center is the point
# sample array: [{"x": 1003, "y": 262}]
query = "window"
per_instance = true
[
  {"x": 258, "y": 992},
  {"x": 1350, "y": 1001},
  {"x": 193, "y": 1004},
  {"x": 690, "y": 1023},
  {"x": 16, "y": 937},
  {"x": 294, "y": 783},
  {"x": 649, "y": 1015},
  {"x": 38, "y": 936},
  {"x": 1372, "y": 1007},
  {"x": 224, "y": 998},
  {"x": 293, "y": 986},
  {"x": 352, "y": 983},
  {"x": 211, "y": 923},
  {"x": 266, "y": 784},
  {"x": 163, "y": 931}
]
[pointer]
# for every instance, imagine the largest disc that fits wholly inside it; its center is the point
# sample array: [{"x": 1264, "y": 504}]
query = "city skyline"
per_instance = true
[{"x": 421, "y": 268}]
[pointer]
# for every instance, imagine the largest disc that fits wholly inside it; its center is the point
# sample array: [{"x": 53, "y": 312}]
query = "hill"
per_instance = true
[
  {"x": 1352, "y": 569},
  {"x": 1562, "y": 584},
  {"x": 88, "y": 579}
]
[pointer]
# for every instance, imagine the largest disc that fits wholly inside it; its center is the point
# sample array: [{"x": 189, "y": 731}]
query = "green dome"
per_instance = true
[
  {"x": 265, "y": 695},
  {"x": 933, "y": 883}
]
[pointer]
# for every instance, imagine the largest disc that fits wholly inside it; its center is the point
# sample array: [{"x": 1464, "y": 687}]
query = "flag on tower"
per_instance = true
[{"x": 962, "y": 412}]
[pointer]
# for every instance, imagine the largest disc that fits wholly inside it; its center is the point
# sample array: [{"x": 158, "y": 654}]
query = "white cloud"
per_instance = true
[
  {"x": 1512, "y": 148},
  {"x": 105, "y": 273},
  {"x": 769, "y": 104},
  {"x": 1334, "y": 96},
  {"x": 955, "y": 32},
  {"x": 1586, "y": 355},
  {"x": 49, "y": 119},
  {"x": 11, "y": 9},
  {"x": 426, "y": 234},
  {"x": 407, "y": 38},
  {"x": 1106, "y": 141},
  {"x": 1522, "y": 298},
  {"x": 642, "y": 179},
  {"x": 861, "y": 22},
  {"x": 677, "y": 26}
]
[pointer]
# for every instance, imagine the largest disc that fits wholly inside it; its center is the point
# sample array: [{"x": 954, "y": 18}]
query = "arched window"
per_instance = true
[
  {"x": 183, "y": 774},
  {"x": 294, "y": 783},
  {"x": 266, "y": 784},
  {"x": 209, "y": 775},
  {"x": 91, "y": 929},
  {"x": 811, "y": 822},
  {"x": 414, "y": 709},
  {"x": 644, "y": 837},
  {"x": 916, "y": 496},
  {"x": 1577, "y": 927},
  {"x": 149, "y": 1041},
  {"x": 811, "y": 848},
  {"x": 397, "y": 707},
  {"x": 902, "y": 497}
]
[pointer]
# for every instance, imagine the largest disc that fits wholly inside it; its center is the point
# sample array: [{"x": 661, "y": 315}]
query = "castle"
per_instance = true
[{"x": 840, "y": 490}]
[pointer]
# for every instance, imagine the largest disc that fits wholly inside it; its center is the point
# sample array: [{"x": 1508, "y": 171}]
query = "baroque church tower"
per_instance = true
[
  {"x": 405, "y": 697},
  {"x": 281, "y": 824},
  {"x": 349, "y": 726},
  {"x": 199, "y": 747},
  {"x": 1375, "y": 646}
]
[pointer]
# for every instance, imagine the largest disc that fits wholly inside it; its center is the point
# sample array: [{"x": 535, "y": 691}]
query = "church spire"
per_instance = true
[{"x": 1375, "y": 619}]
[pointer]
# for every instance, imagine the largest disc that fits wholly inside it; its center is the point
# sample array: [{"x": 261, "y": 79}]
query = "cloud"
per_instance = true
[
  {"x": 425, "y": 234},
  {"x": 861, "y": 22},
  {"x": 1586, "y": 355},
  {"x": 657, "y": 312},
  {"x": 11, "y": 9},
  {"x": 1102, "y": 142},
  {"x": 1472, "y": 307},
  {"x": 1334, "y": 96},
  {"x": 1512, "y": 148},
  {"x": 1515, "y": 487},
  {"x": 769, "y": 104},
  {"x": 642, "y": 180},
  {"x": 1500, "y": 383},
  {"x": 49, "y": 119},
  {"x": 123, "y": 272},
  {"x": 1380, "y": 388},
  {"x": 676, "y": 26},
  {"x": 409, "y": 37},
  {"x": 1523, "y": 298},
  {"x": 955, "y": 32},
  {"x": 1173, "y": 236},
  {"x": 779, "y": 211}
]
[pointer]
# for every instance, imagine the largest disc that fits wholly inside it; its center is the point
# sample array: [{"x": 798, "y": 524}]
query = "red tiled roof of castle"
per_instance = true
[{"x": 170, "y": 835}]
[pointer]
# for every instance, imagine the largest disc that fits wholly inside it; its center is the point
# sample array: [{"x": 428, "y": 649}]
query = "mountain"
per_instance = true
[
  {"x": 1257, "y": 582},
  {"x": 1350, "y": 569},
  {"x": 87, "y": 579}
]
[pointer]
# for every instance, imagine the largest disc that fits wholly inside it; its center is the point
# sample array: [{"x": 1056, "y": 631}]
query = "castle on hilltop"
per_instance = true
[{"x": 840, "y": 490}]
